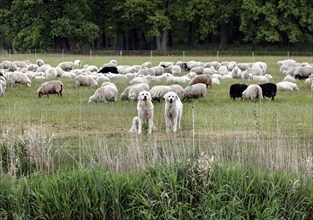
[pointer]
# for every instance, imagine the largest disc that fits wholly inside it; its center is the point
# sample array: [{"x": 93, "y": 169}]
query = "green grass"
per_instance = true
[{"x": 269, "y": 134}]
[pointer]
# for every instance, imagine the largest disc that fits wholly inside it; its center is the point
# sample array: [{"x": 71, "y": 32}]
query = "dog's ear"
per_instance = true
[{"x": 165, "y": 96}]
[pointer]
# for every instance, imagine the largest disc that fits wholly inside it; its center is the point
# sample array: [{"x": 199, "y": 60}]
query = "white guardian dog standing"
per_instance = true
[
  {"x": 145, "y": 110},
  {"x": 173, "y": 111}
]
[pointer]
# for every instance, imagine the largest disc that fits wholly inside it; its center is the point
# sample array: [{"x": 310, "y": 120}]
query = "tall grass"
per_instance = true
[{"x": 197, "y": 189}]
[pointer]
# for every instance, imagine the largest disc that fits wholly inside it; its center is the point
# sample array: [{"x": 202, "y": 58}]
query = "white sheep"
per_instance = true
[
  {"x": 178, "y": 89},
  {"x": 66, "y": 66},
  {"x": 18, "y": 77},
  {"x": 52, "y": 87},
  {"x": 106, "y": 93},
  {"x": 158, "y": 70},
  {"x": 222, "y": 70},
  {"x": 51, "y": 73},
  {"x": 43, "y": 68},
  {"x": 142, "y": 79},
  {"x": 198, "y": 70},
  {"x": 209, "y": 70},
  {"x": 303, "y": 72},
  {"x": 136, "y": 89},
  {"x": 195, "y": 91},
  {"x": 174, "y": 69},
  {"x": 91, "y": 68},
  {"x": 146, "y": 72},
  {"x": 177, "y": 79},
  {"x": 264, "y": 79},
  {"x": 77, "y": 63},
  {"x": 236, "y": 73},
  {"x": 9, "y": 65},
  {"x": 285, "y": 85},
  {"x": 32, "y": 67},
  {"x": 40, "y": 62},
  {"x": 101, "y": 79},
  {"x": 157, "y": 92},
  {"x": 215, "y": 81},
  {"x": 21, "y": 64},
  {"x": 84, "y": 80},
  {"x": 146, "y": 65},
  {"x": 253, "y": 92},
  {"x": 68, "y": 75},
  {"x": 290, "y": 79},
  {"x": 166, "y": 64},
  {"x": 3, "y": 87}
]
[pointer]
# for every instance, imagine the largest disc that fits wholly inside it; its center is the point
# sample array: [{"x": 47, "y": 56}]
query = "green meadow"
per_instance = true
[{"x": 263, "y": 152}]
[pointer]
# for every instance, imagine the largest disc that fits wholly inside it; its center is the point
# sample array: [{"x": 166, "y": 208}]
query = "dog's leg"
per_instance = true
[
  {"x": 174, "y": 123},
  {"x": 139, "y": 126}
]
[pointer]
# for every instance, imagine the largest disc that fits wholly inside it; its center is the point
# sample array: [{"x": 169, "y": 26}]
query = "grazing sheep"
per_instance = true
[
  {"x": 146, "y": 65},
  {"x": 146, "y": 72},
  {"x": 198, "y": 70},
  {"x": 236, "y": 73},
  {"x": 222, "y": 70},
  {"x": 32, "y": 67},
  {"x": 52, "y": 87},
  {"x": 91, "y": 68},
  {"x": 215, "y": 81},
  {"x": 51, "y": 73},
  {"x": 18, "y": 77},
  {"x": 158, "y": 92},
  {"x": 142, "y": 79},
  {"x": 303, "y": 72},
  {"x": 178, "y": 89},
  {"x": 102, "y": 79},
  {"x": 195, "y": 91},
  {"x": 158, "y": 70},
  {"x": 2, "y": 87},
  {"x": 252, "y": 92},
  {"x": 243, "y": 66},
  {"x": 206, "y": 79},
  {"x": 235, "y": 90},
  {"x": 43, "y": 68},
  {"x": 136, "y": 89},
  {"x": 21, "y": 64},
  {"x": 211, "y": 70},
  {"x": 66, "y": 66},
  {"x": 285, "y": 85},
  {"x": 106, "y": 93},
  {"x": 84, "y": 80},
  {"x": 174, "y": 69},
  {"x": 108, "y": 69},
  {"x": 269, "y": 90},
  {"x": 9, "y": 65},
  {"x": 40, "y": 62},
  {"x": 166, "y": 64},
  {"x": 266, "y": 78}
]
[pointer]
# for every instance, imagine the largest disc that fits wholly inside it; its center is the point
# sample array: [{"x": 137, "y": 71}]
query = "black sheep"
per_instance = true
[
  {"x": 108, "y": 69},
  {"x": 235, "y": 90},
  {"x": 269, "y": 90}
]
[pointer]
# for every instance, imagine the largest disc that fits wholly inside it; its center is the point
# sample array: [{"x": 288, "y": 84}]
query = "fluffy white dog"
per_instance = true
[
  {"x": 173, "y": 111},
  {"x": 145, "y": 110}
]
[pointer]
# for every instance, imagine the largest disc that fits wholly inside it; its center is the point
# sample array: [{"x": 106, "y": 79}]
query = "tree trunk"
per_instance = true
[
  {"x": 61, "y": 43},
  {"x": 161, "y": 42},
  {"x": 76, "y": 43},
  {"x": 224, "y": 36}
]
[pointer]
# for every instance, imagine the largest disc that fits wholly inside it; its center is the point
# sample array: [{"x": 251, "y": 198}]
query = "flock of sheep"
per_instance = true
[{"x": 198, "y": 75}]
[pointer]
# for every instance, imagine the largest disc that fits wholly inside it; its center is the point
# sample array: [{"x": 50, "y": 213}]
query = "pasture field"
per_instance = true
[
  {"x": 64, "y": 158},
  {"x": 275, "y": 135}
]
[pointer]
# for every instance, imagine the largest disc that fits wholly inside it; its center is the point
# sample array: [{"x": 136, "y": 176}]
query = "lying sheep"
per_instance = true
[
  {"x": 146, "y": 65},
  {"x": 206, "y": 79},
  {"x": 21, "y": 64},
  {"x": 43, "y": 68},
  {"x": 235, "y": 90},
  {"x": 18, "y": 77},
  {"x": 84, "y": 80},
  {"x": 265, "y": 79},
  {"x": 142, "y": 79},
  {"x": 285, "y": 85},
  {"x": 52, "y": 87},
  {"x": 9, "y": 65},
  {"x": 177, "y": 79},
  {"x": 102, "y": 79},
  {"x": 252, "y": 92},
  {"x": 66, "y": 66},
  {"x": 106, "y": 93},
  {"x": 290, "y": 79},
  {"x": 195, "y": 91}
]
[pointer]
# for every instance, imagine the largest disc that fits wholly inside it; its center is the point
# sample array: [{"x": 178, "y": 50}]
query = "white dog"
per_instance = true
[
  {"x": 173, "y": 111},
  {"x": 145, "y": 110},
  {"x": 134, "y": 127}
]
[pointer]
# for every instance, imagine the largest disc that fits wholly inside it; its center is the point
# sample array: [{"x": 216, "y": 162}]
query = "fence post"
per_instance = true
[
  {"x": 151, "y": 56},
  {"x": 217, "y": 53},
  {"x": 288, "y": 54},
  {"x": 62, "y": 54},
  {"x": 193, "y": 129},
  {"x": 253, "y": 56},
  {"x": 90, "y": 53},
  {"x": 35, "y": 53},
  {"x": 183, "y": 55},
  {"x": 121, "y": 53}
]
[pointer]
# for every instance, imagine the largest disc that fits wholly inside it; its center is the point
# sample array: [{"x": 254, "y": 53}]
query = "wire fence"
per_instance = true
[{"x": 217, "y": 53}]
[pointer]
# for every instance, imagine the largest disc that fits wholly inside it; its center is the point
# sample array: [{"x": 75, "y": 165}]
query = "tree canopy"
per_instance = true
[{"x": 152, "y": 24}]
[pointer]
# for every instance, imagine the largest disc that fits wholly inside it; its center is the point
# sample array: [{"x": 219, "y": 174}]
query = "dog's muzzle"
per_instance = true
[
  {"x": 171, "y": 100},
  {"x": 144, "y": 98}
]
